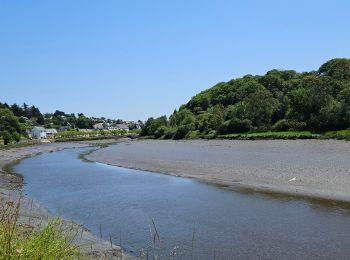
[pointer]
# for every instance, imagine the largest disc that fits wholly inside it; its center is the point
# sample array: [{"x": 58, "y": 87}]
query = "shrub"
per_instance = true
[
  {"x": 235, "y": 125},
  {"x": 181, "y": 132},
  {"x": 160, "y": 132},
  {"x": 193, "y": 134},
  {"x": 287, "y": 125},
  {"x": 169, "y": 132},
  {"x": 210, "y": 135}
]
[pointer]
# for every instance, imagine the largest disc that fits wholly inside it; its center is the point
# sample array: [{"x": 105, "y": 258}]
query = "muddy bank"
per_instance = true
[
  {"x": 34, "y": 214},
  {"x": 312, "y": 168}
]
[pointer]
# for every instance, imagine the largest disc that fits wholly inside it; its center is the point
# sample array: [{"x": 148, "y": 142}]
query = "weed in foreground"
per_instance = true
[{"x": 21, "y": 241}]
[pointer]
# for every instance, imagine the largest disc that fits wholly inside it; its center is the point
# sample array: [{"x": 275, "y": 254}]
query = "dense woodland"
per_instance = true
[{"x": 281, "y": 100}]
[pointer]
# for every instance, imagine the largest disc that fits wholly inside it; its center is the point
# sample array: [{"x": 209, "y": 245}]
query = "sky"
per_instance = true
[{"x": 137, "y": 59}]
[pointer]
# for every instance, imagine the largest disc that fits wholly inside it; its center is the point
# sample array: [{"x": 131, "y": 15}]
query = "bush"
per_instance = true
[
  {"x": 235, "y": 125},
  {"x": 165, "y": 132},
  {"x": 273, "y": 135},
  {"x": 6, "y": 136},
  {"x": 341, "y": 134},
  {"x": 181, "y": 132},
  {"x": 10, "y": 127},
  {"x": 210, "y": 135},
  {"x": 288, "y": 125},
  {"x": 193, "y": 134},
  {"x": 160, "y": 132},
  {"x": 169, "y": 132}
]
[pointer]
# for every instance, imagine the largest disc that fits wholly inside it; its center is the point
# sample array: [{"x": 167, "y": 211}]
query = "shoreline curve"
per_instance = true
[
  {"x": 161, "y": 156},
  {"x": 33, "y": 212}
]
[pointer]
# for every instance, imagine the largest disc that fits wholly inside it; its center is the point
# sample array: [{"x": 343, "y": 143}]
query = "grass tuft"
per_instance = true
[
  {"x": 273, "y": 135},
  {"x": 340, "y": 134},
  {"x": 19, "y": 241}
]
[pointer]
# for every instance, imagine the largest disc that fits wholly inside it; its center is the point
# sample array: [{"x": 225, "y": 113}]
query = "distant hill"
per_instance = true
[{"x": 280, "y": 100}]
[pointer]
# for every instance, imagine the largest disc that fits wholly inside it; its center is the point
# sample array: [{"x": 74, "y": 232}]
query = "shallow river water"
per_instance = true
[{"x": 194, "y": 220}]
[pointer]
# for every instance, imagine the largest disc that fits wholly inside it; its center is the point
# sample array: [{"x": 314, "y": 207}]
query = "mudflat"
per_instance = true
[{"x": 316, "y": 168}]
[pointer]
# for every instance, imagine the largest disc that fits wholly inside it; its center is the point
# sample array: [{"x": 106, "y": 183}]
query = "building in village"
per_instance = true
[
  {"x": 98, "y": 126},
  {"x": 124, "y": 127},
  {"x": 39, "y": 132}
]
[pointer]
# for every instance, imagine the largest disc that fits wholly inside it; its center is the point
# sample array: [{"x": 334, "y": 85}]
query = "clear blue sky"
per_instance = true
[{"x": 135, "y": 59}]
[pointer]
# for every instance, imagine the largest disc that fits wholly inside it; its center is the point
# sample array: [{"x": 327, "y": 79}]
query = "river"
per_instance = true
[{"x": 193, "y": 220}]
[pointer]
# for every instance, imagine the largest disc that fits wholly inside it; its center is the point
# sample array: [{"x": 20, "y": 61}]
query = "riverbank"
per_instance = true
[
  {"x": 311, "y": 168},
  {"x": 33, "y": 213}
]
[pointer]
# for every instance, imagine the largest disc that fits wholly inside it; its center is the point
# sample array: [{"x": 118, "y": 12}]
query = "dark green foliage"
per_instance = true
[
  {"x": 337, "y": 69},
  {"x": 9, "y": 126},
  {"x": 259, "y": 108},
  {"x": 33, "y": 113},
  {"x": 182, "y": 117},
  {"x": 278, "y": 101},
  {"x": 181, "y": 132},
  {"x": 288, "y": 125},
  {"x": 152, "y": 125},
  {"x": 6, "y": 136},
  {"x": 160, "y": 132},
  {"x": 169, "y": 132},
  {"x": 84, "y": 122},
  {"x": 235, "y": 125}
]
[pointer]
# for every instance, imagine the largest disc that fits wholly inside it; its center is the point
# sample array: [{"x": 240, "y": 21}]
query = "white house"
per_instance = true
[
  {"x": 50, "y": 132},
  {"x": 39, "y": 132},
  {"x": 122, "y": 127},
  {"x": 98, "y": 126}
]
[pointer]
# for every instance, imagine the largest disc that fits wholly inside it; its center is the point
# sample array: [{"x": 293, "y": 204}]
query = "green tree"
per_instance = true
[
  {"x": 306, "y": 102},
  {"x": 279, "y": 101},
  {"x": 336, "y": 68},
  {"x": 152, "y": 125},
  {"x": 84, "y": 122},
  {"x": 259, "y": 108},
  {"x": 183, "y": 121},
  {"x": 199, "y": 102},
  {"x": 17, "y": 110},
  {"x": 344, "y": 99},
  {"x": 9, "y": 126},
  {"x": 235, "y": 125}
]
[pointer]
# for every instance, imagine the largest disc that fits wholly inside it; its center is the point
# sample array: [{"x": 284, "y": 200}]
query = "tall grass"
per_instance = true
[
  {"x": 340, "y": 134},
  {"x": 22, "y": 143},
  {"x": 273, "y": 135},
  {"x": 23, "y": 241},
  {"x": 93, "y": 135},
  {"x": 159, "y": 249}
]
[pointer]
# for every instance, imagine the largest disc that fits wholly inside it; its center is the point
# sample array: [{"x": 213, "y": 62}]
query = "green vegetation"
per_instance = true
[
  {"x": 10, "y": 128},
  {"x": 73, "y": 135},
  {"x": 280, "y": 101},
  {"x": 18, "y": 241},
  {"x": 16, "y": 121},
  {"x": 21, "y": 143},
  {"x": 273, "y": 135},
  {"x": 341, "y": 134},
  {"x": 29, "y": 112}
]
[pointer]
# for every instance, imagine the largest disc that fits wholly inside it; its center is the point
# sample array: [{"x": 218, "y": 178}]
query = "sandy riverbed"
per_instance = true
[
  {"x": 316, "y": 168},
  {"x": 34, "y": 214}
]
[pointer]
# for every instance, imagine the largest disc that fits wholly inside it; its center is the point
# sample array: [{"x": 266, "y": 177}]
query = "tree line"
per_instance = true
[
  {"x": 16, "y": 119},
  {"x": 280, "y": 100}
]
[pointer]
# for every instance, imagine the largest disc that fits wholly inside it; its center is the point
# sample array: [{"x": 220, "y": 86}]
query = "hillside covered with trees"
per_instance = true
[{"x": 280, "y": 100}]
